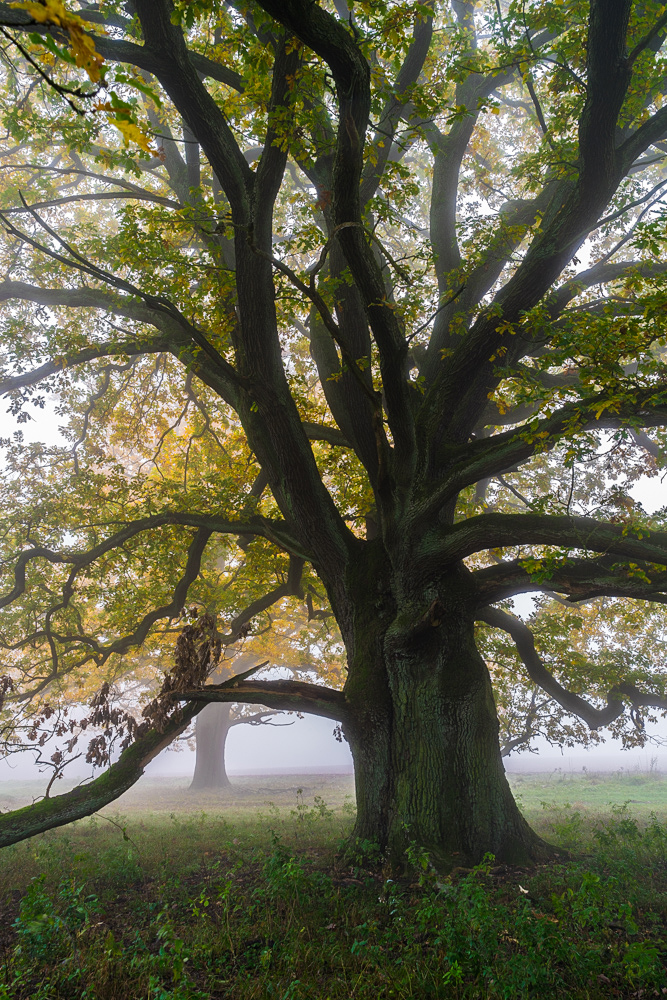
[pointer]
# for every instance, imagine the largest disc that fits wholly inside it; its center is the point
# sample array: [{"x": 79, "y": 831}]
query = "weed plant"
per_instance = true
[{"x": 188, "y": 907}]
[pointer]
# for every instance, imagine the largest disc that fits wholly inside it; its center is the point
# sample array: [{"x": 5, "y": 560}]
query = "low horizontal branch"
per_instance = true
[
  {"x": 84, "y": 800},
  {"x": 579, "y": 579},
  {"x": 290, "y": 696},
  {"x": 538, "y": 673}
]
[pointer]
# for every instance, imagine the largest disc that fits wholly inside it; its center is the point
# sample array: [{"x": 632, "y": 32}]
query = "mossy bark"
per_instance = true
[
  {"x": 424, "y": 736},
  {"x": 84, "y": 800},
  {"x": 449, "y": 791}
]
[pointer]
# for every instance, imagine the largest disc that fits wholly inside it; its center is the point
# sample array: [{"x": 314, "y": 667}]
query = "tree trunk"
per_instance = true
[
  {"x": 213, "y": 725},
  {"x": 212, "y": 728},
  {"x": 426, "y": 748}
]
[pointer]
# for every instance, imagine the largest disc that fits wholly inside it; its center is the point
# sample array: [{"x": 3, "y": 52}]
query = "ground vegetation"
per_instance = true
[
  {"x": 252, "y": 902},
  {"x": 361, "y": 306}
]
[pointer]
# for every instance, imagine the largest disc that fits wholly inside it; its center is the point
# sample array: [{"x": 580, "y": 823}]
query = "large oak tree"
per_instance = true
[{"x": 365, "y": 258}]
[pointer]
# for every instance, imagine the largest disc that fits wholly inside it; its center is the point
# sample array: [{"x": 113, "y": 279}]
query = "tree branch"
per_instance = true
[
  {"x": 49, "y": 813},
  {"x": 649, "y": 37},
  {"x": 351, "y": 71},
  {"x": 580, "y": 579},
  {"x": 578, "y": 200},
  {"x": 265, "y": 404},
  {"x": 272, "y": 531},
  {"x": 492, "y": 530},
  {"x": 319, "y": 432},
  {"x": 173, "y": 67},
  {"x": 259, "y": 719},
  {"x": 224, "y": 372},
  {"x": 290, "y": 588},
  {"x": 487, "y": 457},
  {"x": 99, "y": 196},
  {"x": 156, "y": 345},
  {"x": 390, "y": 115},
  {"x": 651, "y": 131},
  {"x": 273, "y": 158},
  {"x": 173, "y": 342},
  {"x": 310, "y": 292},
  {"x": 600, "y": 274},
  {"x": 117, "y": 50},
  {"x": 595, "y": 718},
  {"x": 291, "y": 696}
]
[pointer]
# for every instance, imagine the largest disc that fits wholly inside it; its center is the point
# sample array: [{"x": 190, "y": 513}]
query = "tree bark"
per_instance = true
[
  {"x": 424, "y": 736},
  {"x": 450, "y": 793},
  {"x": 86, "y": 799},
  {"x": 211, "y": 731}
]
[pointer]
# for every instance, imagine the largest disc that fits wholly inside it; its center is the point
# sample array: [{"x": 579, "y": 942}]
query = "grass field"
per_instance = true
[
  {"x": 645, "y": 791},
  {"x": 245, "y": 894}
]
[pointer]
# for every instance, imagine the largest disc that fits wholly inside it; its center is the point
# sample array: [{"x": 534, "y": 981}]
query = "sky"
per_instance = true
[{"x": 308, "y": 744}]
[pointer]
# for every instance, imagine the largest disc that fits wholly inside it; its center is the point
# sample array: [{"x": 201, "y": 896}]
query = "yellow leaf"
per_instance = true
[
  {"x": 83, "y": 46},
  {"x": 605, "y": 404},
  {"x": 44, "y": 13},
  {"x": 85, "y": 53},
  {"x": 132, "y": 133}
]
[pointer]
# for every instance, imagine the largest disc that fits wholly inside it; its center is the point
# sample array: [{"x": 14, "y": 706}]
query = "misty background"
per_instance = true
[{"x": 308, "y": 745}]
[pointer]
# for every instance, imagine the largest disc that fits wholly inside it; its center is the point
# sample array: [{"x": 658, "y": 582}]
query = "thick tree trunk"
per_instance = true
[
  {"x": 212, "y": 727},
  {"x": 424, "y": 737}
]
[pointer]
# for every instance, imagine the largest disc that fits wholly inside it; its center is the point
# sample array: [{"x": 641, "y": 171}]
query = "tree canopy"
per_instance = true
[{"x": 358, "y": 307}]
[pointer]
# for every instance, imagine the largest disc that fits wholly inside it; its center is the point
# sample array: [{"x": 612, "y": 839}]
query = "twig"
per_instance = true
[{"x": 444, "y": 305}]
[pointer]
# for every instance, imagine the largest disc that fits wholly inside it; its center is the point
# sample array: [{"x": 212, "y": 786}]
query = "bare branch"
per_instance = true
[
  {"x": 260, "y": 719},
  {"x": 292, "y": 696}
]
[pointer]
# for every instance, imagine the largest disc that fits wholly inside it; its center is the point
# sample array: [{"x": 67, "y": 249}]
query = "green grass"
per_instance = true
[
  {"x": 646, "y": 791},
  {"x": 244, "y": 895}
]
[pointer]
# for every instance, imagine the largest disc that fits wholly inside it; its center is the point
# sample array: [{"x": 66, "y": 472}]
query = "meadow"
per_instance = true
[{"x": 171, "y": 895}]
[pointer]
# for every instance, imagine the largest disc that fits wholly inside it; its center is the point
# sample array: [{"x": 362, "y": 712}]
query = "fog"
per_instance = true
[{"x": 308, "y": 745}]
